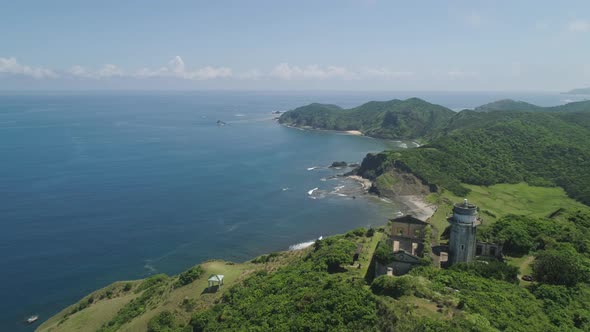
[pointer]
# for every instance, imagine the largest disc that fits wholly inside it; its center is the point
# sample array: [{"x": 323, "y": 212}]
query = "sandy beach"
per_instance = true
[
  {"x": 354, "y": 132},
  {"x": 417, "y": 206}
]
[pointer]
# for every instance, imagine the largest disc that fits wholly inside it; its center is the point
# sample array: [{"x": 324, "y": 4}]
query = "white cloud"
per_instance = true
[
  {"x": 285, "y": 71},
  {"x": 106, "y": 71},
  {"x": 176, "y": 68},
  {"x": 579, "y": 26},
  {"x": 385, "y": 73},
  {"x": 11, "y": 66}
]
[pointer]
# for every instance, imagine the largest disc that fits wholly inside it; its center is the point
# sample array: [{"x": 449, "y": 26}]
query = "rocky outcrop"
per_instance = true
[
  {"x": 392, "y": 178},
  {"x": 339, "y": 164}
]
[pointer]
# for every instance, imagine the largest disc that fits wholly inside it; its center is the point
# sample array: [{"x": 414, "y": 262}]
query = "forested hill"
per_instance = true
[
  {"x": 410, "y": 118},
  {"x": 508, "y": 105},
  {"x": 541, "y": 148}
]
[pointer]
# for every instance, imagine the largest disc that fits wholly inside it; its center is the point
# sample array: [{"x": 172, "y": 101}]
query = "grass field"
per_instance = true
[
  {"x": 502, "y": 199},
  {"x": 181, "y": 301}
]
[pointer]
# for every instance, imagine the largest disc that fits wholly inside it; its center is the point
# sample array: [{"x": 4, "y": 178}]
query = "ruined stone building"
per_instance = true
[{"x": 407, "y": 243}]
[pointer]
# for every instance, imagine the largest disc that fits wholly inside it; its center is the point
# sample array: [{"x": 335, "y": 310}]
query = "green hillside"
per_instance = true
[
  {"x": 544, "y": 148},
  {"x": 509, "y": 162},
  {"x": 322, "y": 289},
  {"x": 411, "y": 118},
  {"x": 507, "y": 105}
]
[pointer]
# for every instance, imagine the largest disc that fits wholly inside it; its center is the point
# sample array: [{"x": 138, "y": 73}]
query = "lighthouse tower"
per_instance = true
[{"x": 462, "y": 242}]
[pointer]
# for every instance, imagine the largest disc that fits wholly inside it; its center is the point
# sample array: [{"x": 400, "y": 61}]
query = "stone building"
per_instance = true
[{"x": 407, "y": 243}]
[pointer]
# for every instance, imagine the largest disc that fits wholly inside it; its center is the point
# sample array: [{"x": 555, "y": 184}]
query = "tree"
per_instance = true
[{"x": 560, "y": 266}]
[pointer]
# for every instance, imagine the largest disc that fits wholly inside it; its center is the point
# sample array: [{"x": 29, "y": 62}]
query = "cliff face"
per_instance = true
[{"x": 391, "y": 178}]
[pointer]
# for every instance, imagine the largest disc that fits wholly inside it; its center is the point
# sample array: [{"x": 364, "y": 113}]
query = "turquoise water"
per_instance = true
[{"x": 98, "y": 187}]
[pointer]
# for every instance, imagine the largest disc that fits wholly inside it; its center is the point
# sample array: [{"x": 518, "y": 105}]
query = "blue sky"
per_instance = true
[{"x": 295, "y": 45}]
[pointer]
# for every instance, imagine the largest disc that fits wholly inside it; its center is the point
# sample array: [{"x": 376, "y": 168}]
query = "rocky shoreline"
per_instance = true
[{"x": 415, "y": 205}]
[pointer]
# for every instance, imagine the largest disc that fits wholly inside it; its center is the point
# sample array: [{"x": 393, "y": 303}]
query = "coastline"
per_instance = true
[
  {"x": 416, "y": 205},
  {"x": 344, "y": 132}
]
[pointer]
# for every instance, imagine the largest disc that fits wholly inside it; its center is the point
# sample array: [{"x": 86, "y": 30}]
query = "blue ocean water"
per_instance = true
[{"x": 104, "y": 186}]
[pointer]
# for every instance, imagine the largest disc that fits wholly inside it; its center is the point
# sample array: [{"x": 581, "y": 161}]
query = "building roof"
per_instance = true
[
  {"x": 409, "y": 219},
  {"x": 216, "y": 277}
]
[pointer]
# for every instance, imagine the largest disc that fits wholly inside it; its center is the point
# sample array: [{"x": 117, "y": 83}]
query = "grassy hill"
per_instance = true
[{"x": 411, "y": 118}]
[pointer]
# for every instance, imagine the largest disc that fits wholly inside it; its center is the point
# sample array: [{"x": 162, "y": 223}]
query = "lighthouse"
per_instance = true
[{"x": 462, "y": 241}]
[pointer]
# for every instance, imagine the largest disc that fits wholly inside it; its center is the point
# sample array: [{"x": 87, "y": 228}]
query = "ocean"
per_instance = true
[{"x": 103, "y": 186}]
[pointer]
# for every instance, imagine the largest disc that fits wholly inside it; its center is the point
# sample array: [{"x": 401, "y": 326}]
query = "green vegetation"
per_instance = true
[
  {"x": 332, "y": 252},
  {"x": 561, "y": 265},
  {"x": 394, "y": 287},
  {"x": 499, "y": 200},
  {"x": 318, "y": 289},
  {"x": 507, "y": 105},
  {"x": 411, "y": 118},
  {"x": 189, "y": 276},
  {"x": 511, "y": 162},
  {"x": 151, "y": 289},
  {"x": 486, "y": 148},
  {"x": 166, "y": 322},
  {"x": 489, "y": 269},
  {"x": 503, "y": 142}
]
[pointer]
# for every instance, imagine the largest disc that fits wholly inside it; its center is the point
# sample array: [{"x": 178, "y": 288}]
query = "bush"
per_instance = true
[
  {"x": 395, "y": 287},
  {"x": 189, "y": 276},
  {"x": 489, "y": 269},
  {"x": 356, "y": 232},
  {"x": 165, "y": 322},
  {"x": 333, "y": 252},
  {"x": 560, "y": 266},
  {"x": 151, "y": 281},
  {"x": 383, "y": 253}
]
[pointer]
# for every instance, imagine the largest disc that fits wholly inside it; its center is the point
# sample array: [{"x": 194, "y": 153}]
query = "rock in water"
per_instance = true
[{"x": 339, "y": 164}]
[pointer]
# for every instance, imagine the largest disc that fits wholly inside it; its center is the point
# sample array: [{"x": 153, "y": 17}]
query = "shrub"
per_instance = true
[
  {"x": 395, "y": 287},
  {"x": 489, "y": 269},
  {"x": 189, "y": 276},
  {"x": 560, "y": 266}
]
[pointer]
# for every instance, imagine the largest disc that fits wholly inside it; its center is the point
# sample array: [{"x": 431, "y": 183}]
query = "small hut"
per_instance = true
[{"x": 215, "y": 280}]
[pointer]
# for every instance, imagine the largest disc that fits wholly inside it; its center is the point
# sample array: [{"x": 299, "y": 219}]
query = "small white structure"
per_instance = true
[{"x": 215, "y": 280}]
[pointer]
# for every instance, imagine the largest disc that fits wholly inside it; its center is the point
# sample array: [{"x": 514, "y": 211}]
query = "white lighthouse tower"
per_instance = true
[{"x": 462, "y": 241}]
